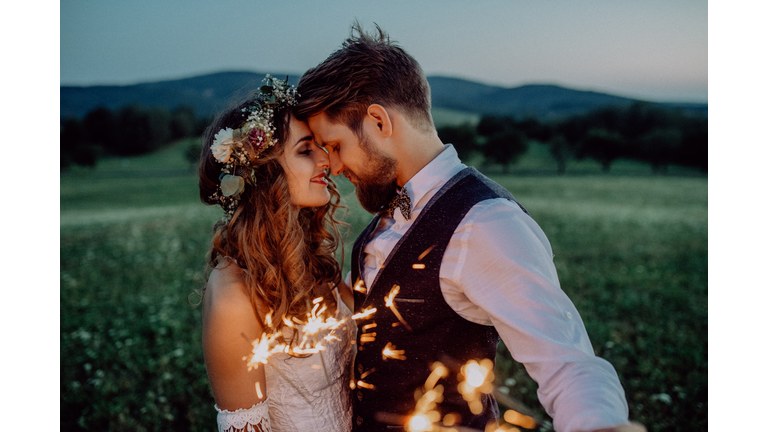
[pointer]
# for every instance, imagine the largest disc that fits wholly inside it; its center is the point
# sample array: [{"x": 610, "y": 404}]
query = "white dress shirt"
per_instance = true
[{"x": 498, "y": 270}]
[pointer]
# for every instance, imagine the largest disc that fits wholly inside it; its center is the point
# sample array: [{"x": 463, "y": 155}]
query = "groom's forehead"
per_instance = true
[{"x": 325, "y": 129}]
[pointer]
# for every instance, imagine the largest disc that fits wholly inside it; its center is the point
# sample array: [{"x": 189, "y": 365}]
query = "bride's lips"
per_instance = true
[{"x": 320, "y": 178}]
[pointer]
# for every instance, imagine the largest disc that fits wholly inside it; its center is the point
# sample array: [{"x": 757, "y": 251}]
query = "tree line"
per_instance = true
[
  {"x": 130, "y": 131},
  {"x": 642, "y": 131}
]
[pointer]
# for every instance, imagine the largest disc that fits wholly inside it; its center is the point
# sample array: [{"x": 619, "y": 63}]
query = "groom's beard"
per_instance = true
[{"x": 375, "y": 187}]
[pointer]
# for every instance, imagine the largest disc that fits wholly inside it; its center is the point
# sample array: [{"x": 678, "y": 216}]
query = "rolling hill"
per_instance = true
[{"x": 210, "y": 93}]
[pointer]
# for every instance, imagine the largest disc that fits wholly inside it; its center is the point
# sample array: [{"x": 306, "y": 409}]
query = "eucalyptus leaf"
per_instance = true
[{"x": 232, "y": 185}]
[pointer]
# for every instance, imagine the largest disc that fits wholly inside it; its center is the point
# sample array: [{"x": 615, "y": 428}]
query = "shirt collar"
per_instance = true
[{"x": 436, "y": 173}]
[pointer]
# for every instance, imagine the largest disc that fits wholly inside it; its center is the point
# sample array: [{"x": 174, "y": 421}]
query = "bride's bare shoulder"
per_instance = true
[{"x": 225, "y": 289}]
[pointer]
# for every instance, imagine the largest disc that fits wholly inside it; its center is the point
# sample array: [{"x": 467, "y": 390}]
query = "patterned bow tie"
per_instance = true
[{"x": 403, "y": 201}]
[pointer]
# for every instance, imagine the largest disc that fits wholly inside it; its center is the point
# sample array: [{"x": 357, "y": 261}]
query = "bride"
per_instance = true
[{"x": 273, "y": 270}]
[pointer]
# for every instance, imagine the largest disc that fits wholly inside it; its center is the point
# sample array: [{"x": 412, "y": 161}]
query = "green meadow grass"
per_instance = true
[{"x": 631, "y": 252}]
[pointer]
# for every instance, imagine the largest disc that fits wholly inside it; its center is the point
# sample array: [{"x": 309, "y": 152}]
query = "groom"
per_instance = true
[{"x": 450, "y": 262}]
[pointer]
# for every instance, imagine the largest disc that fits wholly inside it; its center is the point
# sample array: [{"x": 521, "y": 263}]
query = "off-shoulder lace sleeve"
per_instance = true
[{"x": 253, "y": 419}]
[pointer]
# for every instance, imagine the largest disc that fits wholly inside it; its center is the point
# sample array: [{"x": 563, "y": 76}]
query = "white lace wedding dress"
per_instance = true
[{"x": 304, "y": 394}]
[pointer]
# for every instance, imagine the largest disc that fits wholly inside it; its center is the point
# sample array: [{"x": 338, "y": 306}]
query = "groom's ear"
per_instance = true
[{"x": 378, "y": 116}]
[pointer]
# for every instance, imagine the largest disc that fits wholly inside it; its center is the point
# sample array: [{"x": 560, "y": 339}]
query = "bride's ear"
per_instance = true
[{"x": 378, "y": 117}]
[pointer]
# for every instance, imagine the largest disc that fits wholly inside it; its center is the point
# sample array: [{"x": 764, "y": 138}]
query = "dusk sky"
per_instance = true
[{"x": 654, "y": 50}]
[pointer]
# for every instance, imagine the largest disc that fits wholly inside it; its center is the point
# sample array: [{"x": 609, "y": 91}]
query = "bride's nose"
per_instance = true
[{"x": 322, "y": 159}]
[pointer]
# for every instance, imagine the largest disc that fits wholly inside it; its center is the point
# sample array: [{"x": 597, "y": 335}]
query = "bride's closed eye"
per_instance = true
[{"x": 307, "y": 150}]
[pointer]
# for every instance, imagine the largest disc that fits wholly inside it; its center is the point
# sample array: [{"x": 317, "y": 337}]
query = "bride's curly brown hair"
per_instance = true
[{"x": 287, "y": 253}]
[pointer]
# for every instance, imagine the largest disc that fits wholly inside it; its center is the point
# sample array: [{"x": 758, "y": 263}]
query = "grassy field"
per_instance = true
[{"x": 630, "y": 249}]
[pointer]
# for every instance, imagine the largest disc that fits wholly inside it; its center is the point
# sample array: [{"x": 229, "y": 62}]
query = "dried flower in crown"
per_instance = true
[{"x": 236, "y": 148}]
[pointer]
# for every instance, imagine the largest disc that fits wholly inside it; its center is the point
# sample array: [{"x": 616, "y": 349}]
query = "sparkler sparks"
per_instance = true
[
  {"x": 359, "y": 286},
  {"x": 425, "y": 414},
  {"x": 389, "y": 301},
  {"x": 390, "y": 351},
  {"x": 364, "y": 314},
  {"x": 364, "y": 384},
  {"x": 522, "y": 420},
  {"x": 368, "y": 336},
  {"x": 269, "y": 344},
  {"x": 423, "y": 254}
]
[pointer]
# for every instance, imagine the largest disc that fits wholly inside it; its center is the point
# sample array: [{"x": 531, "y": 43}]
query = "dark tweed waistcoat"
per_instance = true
[{"x": 430, "y": 330}]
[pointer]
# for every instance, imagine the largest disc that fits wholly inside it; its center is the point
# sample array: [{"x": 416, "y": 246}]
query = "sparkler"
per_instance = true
[{"x": 389, "y": 301}]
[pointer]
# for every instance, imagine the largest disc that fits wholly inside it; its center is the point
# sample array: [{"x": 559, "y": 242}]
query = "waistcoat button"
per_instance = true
[
  {"x": 359, "y": 421},
  {"x": 360, "y": 368},
  {"x": 359, "y": 395}
]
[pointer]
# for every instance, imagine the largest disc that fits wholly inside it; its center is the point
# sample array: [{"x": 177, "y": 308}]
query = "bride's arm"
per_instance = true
[
  {"x": 346, "y": 295},
  {"x": 229, "y": 328}
]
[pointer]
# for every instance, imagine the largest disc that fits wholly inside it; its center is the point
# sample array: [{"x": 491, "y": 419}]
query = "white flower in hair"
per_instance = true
[{"x": 222, "y": 145}]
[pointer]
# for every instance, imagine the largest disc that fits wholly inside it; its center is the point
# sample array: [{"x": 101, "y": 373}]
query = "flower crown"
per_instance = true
[{"x": 237, "y": 148}]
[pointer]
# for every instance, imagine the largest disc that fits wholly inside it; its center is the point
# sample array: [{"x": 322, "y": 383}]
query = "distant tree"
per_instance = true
[
  {"x": 561, "y": 151},
  {"x": 71, "y": 134},
  {"x": 694, "y": 143},
  {"x": 490, "y": 125},
  {"x": 100, "y": 127},
  {"x": 505, "y": 147},
  {"x": 534, "y": 129},
  {"x": 141, "y": 130},
  {"x": 573, "y": 128},
  {"x": 602, "y": 145},
  {"x": 659, "y": 147},
  {"x": 134, "y": 137},
  {"x": 463, "y": 138},
  {"x": 183, "y": 122},
  {"x": 159, "y": 127}
]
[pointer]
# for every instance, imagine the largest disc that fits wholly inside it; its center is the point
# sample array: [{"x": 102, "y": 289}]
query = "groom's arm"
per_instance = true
[{"x": 498, "y": 271}]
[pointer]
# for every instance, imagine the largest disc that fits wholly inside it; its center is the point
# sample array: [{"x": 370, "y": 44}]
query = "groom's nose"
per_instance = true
[{"x": 336, "y": 166}]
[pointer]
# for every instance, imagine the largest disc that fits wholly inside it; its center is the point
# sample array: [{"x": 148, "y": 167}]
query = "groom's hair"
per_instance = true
[{"x": 367, "y": 69}]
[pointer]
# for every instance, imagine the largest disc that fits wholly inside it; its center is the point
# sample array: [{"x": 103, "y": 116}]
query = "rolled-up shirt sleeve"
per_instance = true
[{"x": 498, "y": 270}]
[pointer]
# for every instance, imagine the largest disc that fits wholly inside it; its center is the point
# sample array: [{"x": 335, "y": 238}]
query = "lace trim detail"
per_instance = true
[{"x": 253, "y": 419}]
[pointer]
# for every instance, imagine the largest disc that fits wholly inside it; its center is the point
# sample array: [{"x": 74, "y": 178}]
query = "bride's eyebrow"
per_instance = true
[{"x": 306, "y": 138}]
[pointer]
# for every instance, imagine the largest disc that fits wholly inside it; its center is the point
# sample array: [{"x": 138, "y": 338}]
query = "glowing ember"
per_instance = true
[
  {"x": 420, "y": 423},
  {"x": 522, "y": 420},
  {"x": 478, "y": 379},
  {"x": 390, "y": 352},
  {"x": 359, "y": 286},
  {"x": 425, "y": 413},
  {"x": 475, "y": 374},
  {"x": 364, "y": 384},
  {"x": 364, "y": 314},
  {"x": 423, "y": 254},
  {"x": 389, "y": 301},
  {"x": 419, "y": 266}
]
